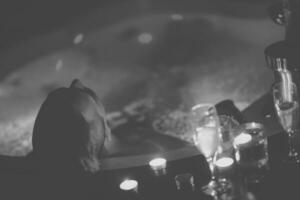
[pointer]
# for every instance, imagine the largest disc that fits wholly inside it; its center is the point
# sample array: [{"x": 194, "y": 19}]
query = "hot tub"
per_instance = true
[{"x": 170, "y": 53}]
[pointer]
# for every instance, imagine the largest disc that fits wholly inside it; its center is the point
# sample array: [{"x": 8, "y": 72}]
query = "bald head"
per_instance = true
[{"x": 70, "y": 129}]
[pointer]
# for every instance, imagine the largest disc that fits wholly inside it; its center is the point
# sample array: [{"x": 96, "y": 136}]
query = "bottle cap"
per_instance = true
[{"x": 281, "y": 57}]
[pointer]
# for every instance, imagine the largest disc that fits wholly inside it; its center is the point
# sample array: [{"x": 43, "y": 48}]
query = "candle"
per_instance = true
[
  {"x": 158, "y": 163},
  {"x": 129, "y": 184},
  {"x": 242, "y": 138},
  {"x": 224, "y": 162}
]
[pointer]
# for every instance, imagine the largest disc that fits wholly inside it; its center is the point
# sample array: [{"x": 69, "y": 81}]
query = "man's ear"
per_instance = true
[
  {"x": 108, "y": 145},
  {"x": 76, "y": 83},
  {"x": 108, "y": 132}
]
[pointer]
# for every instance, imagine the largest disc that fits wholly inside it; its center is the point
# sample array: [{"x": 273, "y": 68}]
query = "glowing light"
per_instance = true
[
  {"x": 198, "y": 106},
  {"x": 145, "y": 38},
  {"x": 129, "y": 185},
  {"x": 59, "y": 65},
  {"x": 224, "y": 162},
  {"x": 177, "y": 17},
  {"x": 158, "y": 163},
  {"x": 242, "y": 138},
  {"x": 237, "y": 156},
  {"x": 78, "y": 38},
  {"x": 268, "y": 116}
]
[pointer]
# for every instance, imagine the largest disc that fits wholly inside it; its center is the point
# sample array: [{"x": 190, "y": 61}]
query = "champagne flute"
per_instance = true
[
  {"x": 225, "y": 158},
  {"x": 287, "y": 108},
  {"x": 205, "y": 125}
]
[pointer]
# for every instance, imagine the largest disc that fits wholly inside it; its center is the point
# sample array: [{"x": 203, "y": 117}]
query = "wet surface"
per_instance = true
[{"x": 171, "y": 54}]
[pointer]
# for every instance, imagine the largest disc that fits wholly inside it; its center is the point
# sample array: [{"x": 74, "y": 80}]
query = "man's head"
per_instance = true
[{"x": 70, "y": 130}]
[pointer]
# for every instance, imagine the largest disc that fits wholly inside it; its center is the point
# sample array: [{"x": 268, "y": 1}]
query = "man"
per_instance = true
[
  {"x": 70, "y": 131},
  {"x": 69, "y": 137}
]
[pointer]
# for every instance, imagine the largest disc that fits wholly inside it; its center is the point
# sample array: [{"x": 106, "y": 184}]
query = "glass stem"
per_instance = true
[
  {"x": 291, "y": 144},
  {"x": 212, "y": 168}
]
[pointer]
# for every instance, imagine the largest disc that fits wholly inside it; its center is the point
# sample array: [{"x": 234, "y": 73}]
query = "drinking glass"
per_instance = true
[
  {"x": 185, "y": 182},
  {"x": 252, "y": 150},
  {"x": 286, "y": 104},
  {"x": 228, "y": 130},
  {"x": 251, "y": 146},
  {"x": 225, "y": 155},
  {"x": 205, "y": 125}
]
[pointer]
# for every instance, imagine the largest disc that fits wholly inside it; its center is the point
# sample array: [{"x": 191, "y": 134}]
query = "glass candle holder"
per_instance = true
[
  {"x": 158, "y": 165},
  {"x": 185, "y": 182},
  {"x": 252, "y": 150},
  {"x": 129, "y": 186}
]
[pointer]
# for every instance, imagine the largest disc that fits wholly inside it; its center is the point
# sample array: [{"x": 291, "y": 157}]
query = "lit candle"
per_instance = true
[
  {"x": 158, "y": 163},
  {"x": 129, "y": 185},
  {"x": 224, "y": 162},
  {"x": 242, "y": 138}
]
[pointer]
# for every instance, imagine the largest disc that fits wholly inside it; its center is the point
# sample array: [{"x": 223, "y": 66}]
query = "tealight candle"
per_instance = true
[
  {"x": 242, "y": 138},
  {"x": 224, "y": 162},
  {"x": 129, "y": 185},
  {"x": 158, "y": 163}
]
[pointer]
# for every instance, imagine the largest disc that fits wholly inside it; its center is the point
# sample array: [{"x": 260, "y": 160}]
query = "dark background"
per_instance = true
[{"x": 21, "y": 20}]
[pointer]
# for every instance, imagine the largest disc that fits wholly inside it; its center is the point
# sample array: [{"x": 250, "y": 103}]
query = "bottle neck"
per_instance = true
[{"x": 288, "y": 77}]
